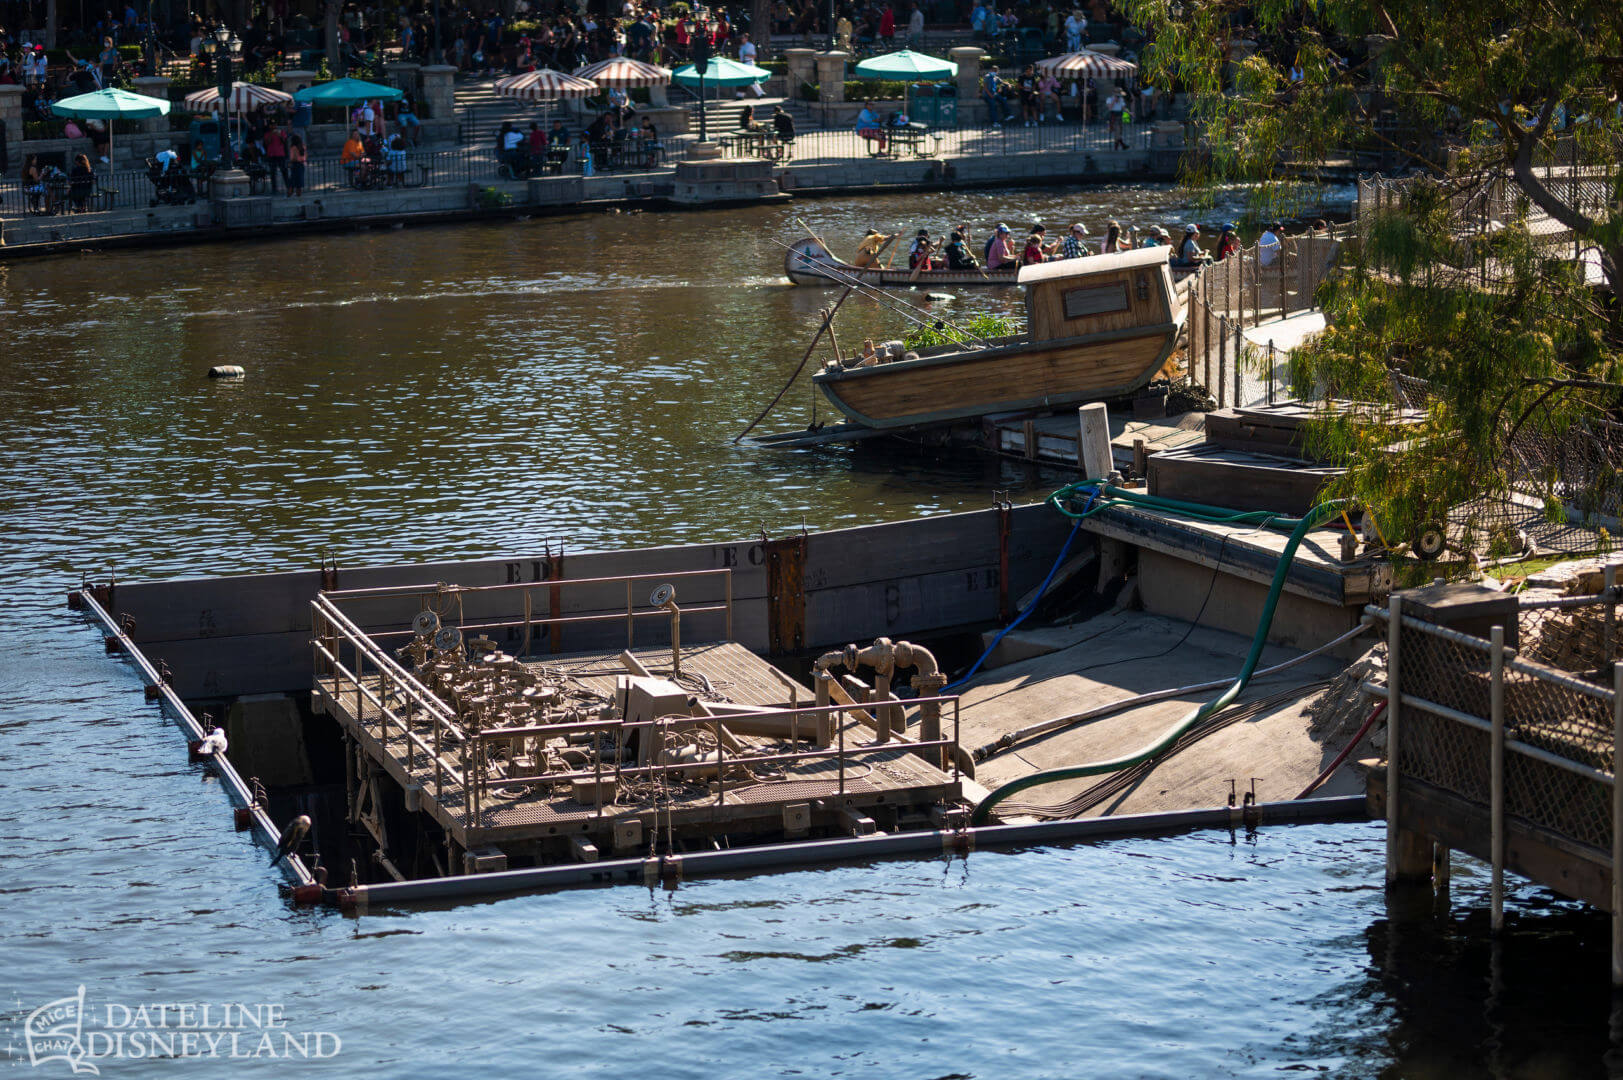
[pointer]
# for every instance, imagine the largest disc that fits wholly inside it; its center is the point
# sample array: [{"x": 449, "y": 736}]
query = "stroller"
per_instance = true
[{"x": 172, "y": 188}]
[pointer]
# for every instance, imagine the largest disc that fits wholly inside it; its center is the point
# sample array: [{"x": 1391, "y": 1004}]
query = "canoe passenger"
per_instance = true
[
  {"x": 1075, "y": 246},
  {"x": 1000, "y": 254},
  {"x": 918, "y": 255},
  {"x": 1033, "y": 252},
  {"x": 868, "y": 251},
  {"x": 1227, "y": 242},
  {"x": 957, "y": 254},
  {"x": 1190, "y": 252}
]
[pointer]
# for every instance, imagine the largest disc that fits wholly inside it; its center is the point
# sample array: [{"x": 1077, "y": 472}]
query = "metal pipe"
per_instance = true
[
  {"x": 1617, "y": 827},
  {"x": 925, "y": 843},
  {"x": 560, "y": 620},
  {"x": 266, "y": 830},
  {"x": 1496, "y": 777}
]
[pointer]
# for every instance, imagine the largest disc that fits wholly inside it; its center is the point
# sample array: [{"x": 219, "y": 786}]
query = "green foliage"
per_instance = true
[
  {"x": 1493, "y": 358},
  {"x": 981, "y": 327},
  {"x": 491, "y": 198}
]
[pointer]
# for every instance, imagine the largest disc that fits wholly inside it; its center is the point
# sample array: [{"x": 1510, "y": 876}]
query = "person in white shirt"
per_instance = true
[
  {"x": 1269, "y": 246},
  {"x": 915, "y": 26},
  {"x": 746, "y": 55},
  {"x": 1076, "y": 24}
]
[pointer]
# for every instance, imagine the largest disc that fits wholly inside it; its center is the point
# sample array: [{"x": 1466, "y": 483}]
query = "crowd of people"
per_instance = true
[{"x": 1002, "y": 251}]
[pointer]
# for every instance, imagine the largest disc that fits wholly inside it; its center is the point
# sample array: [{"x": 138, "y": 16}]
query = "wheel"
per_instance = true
[{"x": 1430, "y": 542}]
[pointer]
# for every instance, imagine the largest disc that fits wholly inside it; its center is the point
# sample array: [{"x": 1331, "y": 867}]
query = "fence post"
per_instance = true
[
  {"x": 1271, "y": 371},
  {"x": 1394, "y": 709},
  {"x": 1496, "y": 775},
  {"x": 1611, "y": 612},
  {"x": 1617, "y": 827},
  {"x": 1222, "y": 357}
]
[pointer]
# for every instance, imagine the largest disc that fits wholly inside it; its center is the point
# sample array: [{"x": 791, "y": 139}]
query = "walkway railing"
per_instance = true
[
  {"x": 1512, "y": 742},
  {"x": 1232, "y": 297}
]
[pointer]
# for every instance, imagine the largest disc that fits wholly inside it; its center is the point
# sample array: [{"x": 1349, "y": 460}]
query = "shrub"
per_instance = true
[{"x": 941, "y": 333}]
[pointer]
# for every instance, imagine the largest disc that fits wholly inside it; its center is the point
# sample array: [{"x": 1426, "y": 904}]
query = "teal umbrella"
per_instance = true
[
  {"x": 109, "y": 105},
  {"x": 347, "y": 92},
  {"x": 722, "y": 72},
  {"x": 906, "y": 65}
]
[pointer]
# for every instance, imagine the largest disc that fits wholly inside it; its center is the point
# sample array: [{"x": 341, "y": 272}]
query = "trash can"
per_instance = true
[{"x": 934, "y": 105}]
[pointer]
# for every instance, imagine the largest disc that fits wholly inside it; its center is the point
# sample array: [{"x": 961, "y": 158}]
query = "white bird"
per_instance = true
[{"x": 213, "y": 743}]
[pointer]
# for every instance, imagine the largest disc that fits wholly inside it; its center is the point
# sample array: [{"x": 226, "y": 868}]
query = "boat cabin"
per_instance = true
[{"x": 1100, "y": 294}]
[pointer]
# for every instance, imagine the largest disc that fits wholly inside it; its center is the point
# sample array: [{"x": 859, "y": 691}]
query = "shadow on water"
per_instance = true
[{"x": 1533, "y": 1001}]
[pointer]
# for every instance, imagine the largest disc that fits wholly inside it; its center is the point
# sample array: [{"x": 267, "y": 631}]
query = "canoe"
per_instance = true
[
  {"x": 1098, "y": 329},
  {"x": 808, "y": 262}
]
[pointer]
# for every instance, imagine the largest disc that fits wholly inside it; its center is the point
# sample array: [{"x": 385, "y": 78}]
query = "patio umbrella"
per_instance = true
[
  {"x": 906, "y": 65},
  {"x": 619, "y": 71},
  {"x": 109, "y": 105},
  {"x": 244, "y": 96},
  {"x": 721, "y": 72},
  {"x": 347, "y": 92},
  {"x": 1087, "y": 64},
  {"x": 545, "y": 85}
]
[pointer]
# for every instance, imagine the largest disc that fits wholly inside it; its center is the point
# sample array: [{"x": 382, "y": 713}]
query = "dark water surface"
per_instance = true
[{"x": 466, "y": 392}]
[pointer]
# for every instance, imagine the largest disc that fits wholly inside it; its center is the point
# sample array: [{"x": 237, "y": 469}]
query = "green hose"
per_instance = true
[{"x": 1111, "y": 495}]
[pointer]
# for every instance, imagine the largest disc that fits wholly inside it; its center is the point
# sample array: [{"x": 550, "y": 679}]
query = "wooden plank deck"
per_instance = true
[{"x": 873, "y": 776}]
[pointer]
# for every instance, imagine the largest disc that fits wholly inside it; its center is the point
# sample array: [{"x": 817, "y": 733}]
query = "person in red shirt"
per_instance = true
[
  {"x": 887, "y": 24},
  {"x": 1227, "y": 243}
]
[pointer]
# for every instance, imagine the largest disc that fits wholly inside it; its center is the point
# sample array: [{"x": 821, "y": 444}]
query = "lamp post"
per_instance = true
[
  {"x": 222, "y": 71},
  {"x": 701, "y": 63}
]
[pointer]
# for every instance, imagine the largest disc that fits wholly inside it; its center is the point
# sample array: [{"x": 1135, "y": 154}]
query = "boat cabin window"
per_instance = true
[{"x": 1095, "y": 300}]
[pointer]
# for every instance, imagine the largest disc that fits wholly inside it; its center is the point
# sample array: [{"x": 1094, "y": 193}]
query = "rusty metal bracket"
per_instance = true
[
  {"x": 786, "y": 594},
  {"x": 329, "y": 571},
  {"x": 555, "y": 598}
]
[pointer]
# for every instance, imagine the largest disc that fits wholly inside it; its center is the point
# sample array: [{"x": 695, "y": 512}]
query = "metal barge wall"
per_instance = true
[{"x": 221, "y": 637}]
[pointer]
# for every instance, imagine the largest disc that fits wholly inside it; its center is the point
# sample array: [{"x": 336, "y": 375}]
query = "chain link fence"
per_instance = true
[{"x": 1549, "y": 703}]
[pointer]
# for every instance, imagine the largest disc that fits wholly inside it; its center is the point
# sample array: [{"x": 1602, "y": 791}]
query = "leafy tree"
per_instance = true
[
  {"x": 1492, "y": 333},
  {"x": 1442, "y": 84}
]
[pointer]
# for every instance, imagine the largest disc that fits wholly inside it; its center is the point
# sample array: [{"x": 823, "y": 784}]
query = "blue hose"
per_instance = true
[{"x": 1042, "y": 589}]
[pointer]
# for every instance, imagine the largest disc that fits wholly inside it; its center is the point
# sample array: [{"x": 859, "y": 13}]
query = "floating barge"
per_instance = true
[{"x": 609, "y": 716}]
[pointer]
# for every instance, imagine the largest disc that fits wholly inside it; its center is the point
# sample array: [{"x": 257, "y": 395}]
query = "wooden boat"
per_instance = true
[
  {"x": 1097, "y": 329},
  {"x": 808, "y": 262}
]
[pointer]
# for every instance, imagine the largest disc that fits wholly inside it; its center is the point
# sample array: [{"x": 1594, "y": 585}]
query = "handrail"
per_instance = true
[{"x": 511, "y": 586}]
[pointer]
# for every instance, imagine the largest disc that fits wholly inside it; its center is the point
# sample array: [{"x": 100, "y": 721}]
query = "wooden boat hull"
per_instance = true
[
  {"x": 808, "y": 262},
  {"x": 935, "y": 390}
]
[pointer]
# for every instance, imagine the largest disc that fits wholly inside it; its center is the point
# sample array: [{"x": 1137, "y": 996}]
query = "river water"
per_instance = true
[{"x": 460, "y": 392}]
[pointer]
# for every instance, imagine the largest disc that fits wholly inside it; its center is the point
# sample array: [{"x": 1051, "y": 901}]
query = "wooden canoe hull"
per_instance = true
[
  {"x": 807, "y": 262},
  {"x": 1015, "y": 378}
]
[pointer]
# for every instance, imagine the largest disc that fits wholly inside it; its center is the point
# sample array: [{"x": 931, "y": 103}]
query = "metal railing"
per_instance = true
[
  {"x": 1482, "y": 722},
  {"x": 1243, "y": 293},
  {"x": 455, "y": 751},
  {"x": 554, "y": 589}
]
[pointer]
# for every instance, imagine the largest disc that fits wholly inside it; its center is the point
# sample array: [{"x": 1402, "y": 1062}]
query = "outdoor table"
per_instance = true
[
  {"x": 763, "y": 144},
  {"x": 915, "y": 138}
]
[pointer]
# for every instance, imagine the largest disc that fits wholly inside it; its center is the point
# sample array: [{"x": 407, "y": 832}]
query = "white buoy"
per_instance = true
[
  {"x": 945, "y": 298},
  {"x": 226, "y": 371}
]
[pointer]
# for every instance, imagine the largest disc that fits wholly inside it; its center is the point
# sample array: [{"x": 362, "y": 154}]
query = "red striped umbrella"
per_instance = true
[
  {"x": 1087, "y": 64},
  {"x": 545, "y": 85},
  {"x": 244, "y": 96},
  {"x": 624, "y": 73}
]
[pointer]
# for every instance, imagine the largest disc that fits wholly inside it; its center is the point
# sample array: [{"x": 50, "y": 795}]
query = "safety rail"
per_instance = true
[
  {"x": 1474, "y": 719},
  {"x": 331, "y": 631},
  {"x": 531, "y": 621}
]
